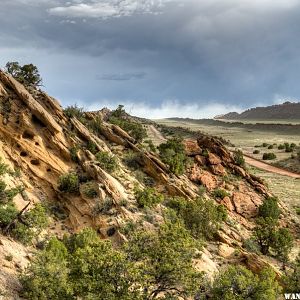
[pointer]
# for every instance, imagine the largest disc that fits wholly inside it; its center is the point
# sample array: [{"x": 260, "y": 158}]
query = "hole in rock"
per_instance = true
[
  {"x": 37, "y": 144},
  {"x": 28, "y": 135},
  {"x": 111, "y": 231},
  {"x": 37, "y": 121},
  {"x": 49, "y": 170},
  {"x": 24, "y": 153},
  {"x": 35, "y": 162}
]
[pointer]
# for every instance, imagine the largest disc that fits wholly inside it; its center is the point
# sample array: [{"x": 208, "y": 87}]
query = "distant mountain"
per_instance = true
[{"x": 287, "y": 110}]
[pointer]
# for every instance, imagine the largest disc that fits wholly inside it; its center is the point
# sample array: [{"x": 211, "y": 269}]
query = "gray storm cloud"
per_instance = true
[{"x": 229, "y": 53}]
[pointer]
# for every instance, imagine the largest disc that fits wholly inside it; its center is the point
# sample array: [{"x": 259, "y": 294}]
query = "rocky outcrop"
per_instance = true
[{"x": 36, "y": 108}]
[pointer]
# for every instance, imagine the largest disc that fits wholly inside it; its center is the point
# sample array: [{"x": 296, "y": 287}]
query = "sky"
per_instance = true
[{"x": 160, "y": 58}]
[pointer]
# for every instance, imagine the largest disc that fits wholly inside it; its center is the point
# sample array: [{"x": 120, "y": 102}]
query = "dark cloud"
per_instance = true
[{"x": 230, "y": 52}]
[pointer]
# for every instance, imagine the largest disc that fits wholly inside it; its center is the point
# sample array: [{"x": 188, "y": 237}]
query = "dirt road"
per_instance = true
[
  {"x": 269, "y": 168},
  {"x": 155, "y": 135}
]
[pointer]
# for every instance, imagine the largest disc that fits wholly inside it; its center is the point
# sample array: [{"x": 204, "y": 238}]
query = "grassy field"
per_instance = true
[
  {"x": 285, "y": 188},
  {"x": 248, "y": 136}
]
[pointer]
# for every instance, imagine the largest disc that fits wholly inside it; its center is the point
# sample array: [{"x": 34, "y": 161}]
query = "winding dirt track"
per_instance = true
[
  {"x": 155, "y": 135},
  {"x": 269, "y": 168}
]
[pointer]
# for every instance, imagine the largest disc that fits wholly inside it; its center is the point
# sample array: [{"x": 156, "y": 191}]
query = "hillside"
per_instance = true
[
  {"x": 167, "y": 223},
  {"x": 285, "y": 111}
]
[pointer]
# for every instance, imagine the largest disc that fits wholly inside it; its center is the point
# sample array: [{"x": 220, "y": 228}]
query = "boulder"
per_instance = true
[
  {"x": 244, "y": 205},
  {"x": 218, "y": 169},
  {"x": 213, "y": 159},
  {"x": 200, "y": 160},
  {"x": 192, "y": 148},
  {"x": 227, "y": 203}
]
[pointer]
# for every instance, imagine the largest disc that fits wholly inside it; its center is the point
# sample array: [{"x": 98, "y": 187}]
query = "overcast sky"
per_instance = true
[{"x": 161, "y": 58}]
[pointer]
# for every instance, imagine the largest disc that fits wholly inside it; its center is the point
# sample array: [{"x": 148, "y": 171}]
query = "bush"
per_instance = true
[
  {"x": 133, "y": 128},
  {"x": 107, "y": 161},
  {"x": 83, "y": 266},
  {"x": 92, "y": 147},
  {"x": 239, "y": 158},
  {"x": 203, "y": 218},
  {"x": 256, "y": 152},
  {"x": 265, "y": 145},
  {"x": 74, "y": 111},
  {"x": 89, "y": 190},
  {"x": 103, "y": 207},
  {"x": 268, "y": 235},
  {"x": 270, "y": 208},
  {"x": 237, "y": 283},
  {"x": 173, "y": 153},
  {"x": 148, "y": 197},
  {"x": 7, "y": 214},
  {"x": 74, "y": 155},
  {"x": 69, "y": 183},
  {"x": 270, "y": 147},
  {"x": 292, "y": 281},
  {"x": 96, "y": 125},
  {"x": 281, "y": 147},
  {"x": 26, "y": 74},
  {"x": 220, "y": 193},
  {"x": 269, "y": 156}
]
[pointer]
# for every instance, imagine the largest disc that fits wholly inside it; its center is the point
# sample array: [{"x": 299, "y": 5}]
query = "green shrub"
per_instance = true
[
  {"x": 131, "y": 159},
  {"x": 251, "y": 245},
  {"x": 3, "y": 168},
  {"x": 239, "y": 158},
  {"x": 150, "y": 145},
  {"x": 26, "y": 74},
  {"x": 133, "y": 128},
  {"x": 267, "y": 234},
  {"x": 74, "y": 154},
  {"x": 148, "y": 197},
  {"x": 92, "y": 147},
  {"x": 89, "y": 190},
  {"x": 96, "y": 125},
  {"x": 237, "y": 283},
  {"x": 220, "y": 193},
  {"x": 269, "y": 208},
  {"x": 103, "y": 207},
  {"x": 201, "y": 217},
  {"x": 270, "y": 147},
  {"x": 265, "y": 145},
  {"x": 269, "y": 156},
  {"x": 289, "y": 149},
  {"x": 83, "y": 266},
  {"x": 292, "y": 280},
  {"x": 8, "y": 213},
  {"x": 173, "y": 153},
  {"x": 107, "y": 161},
  {"x": 69, "y": 183},
  {"x": 256, "y": 152},
  {"x": 281, "y": 147},
  {"x": 74, "y": 111}
]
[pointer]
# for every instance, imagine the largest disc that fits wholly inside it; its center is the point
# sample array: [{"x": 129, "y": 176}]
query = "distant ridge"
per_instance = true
[{"x": 285, "y": 111}]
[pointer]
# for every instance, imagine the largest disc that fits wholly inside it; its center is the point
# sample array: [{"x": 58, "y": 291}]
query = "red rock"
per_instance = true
[
  {"x": 218, "y": 169},
  {"x": 227, "y": 203},
  {"x": 244, "y": 205},
  {"x": 192, "y": 148},
  {"x": 213, "y": 159},
  {"x": 200, "y": 160}
]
